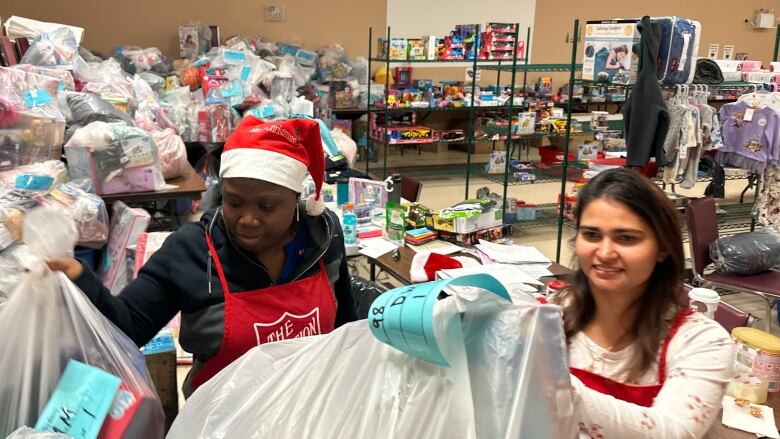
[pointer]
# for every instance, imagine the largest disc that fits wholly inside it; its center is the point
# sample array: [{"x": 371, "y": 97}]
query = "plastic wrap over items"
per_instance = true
[
  {"x": 472, "y": 365},
  {"x": 47, "y": 324},
  {"x": 746, "y": 253},
  {"x": 116, "y": 157}
]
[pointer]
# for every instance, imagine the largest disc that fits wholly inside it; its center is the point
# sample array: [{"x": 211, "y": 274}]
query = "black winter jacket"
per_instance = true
[{"x": 176, "y": 279}]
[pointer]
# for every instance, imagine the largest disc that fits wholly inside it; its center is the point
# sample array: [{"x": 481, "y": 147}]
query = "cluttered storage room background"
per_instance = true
[{"x": 299, "y": 219}]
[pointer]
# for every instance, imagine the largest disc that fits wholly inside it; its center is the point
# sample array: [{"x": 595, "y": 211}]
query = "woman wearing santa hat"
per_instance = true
[{"x": 265, "y": 266}]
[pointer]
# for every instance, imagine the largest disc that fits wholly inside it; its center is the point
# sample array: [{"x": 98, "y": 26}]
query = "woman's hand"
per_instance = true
[{"x": 70, "y": 266}]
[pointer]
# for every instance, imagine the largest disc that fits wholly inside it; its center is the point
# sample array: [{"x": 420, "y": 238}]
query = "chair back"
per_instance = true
[
  {"x": 410, "y": 189},
  {"x": 731, "y": 317},
  {"x": 702, "y": 221}
]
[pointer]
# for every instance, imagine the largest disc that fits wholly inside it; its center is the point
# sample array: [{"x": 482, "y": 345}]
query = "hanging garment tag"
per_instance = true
[{"x": 748, "y": 115}]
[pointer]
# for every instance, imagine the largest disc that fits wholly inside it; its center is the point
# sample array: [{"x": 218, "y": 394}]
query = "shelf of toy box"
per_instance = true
[
  {"x": 543, "y": 173},
  {"x": 448, "y": 62},
  {"x": 535, "y": 135},
  {"x": 546, "y": 216},
  {"x": 728, "y": 85},
  {"x": 437, "y": 109},
  {"x": 533, "y": 67}
]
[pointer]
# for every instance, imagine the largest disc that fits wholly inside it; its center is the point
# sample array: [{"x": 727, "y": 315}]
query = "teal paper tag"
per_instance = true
[
  {"x": 29, "y": 182},
  {"x": 235, "y": 55},
  {"x": 80, "y": 401},
  {"x": 36, "y": 98},
  {"x": 403, "y": 317},
  {"x": 245, "y": 72}
]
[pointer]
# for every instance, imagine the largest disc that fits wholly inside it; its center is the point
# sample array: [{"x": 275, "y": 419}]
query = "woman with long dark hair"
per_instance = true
[{"x": 642, "y": 366}]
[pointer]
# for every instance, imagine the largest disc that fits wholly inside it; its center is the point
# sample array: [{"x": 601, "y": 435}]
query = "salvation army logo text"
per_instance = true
[{"x": 289, "y": 326}]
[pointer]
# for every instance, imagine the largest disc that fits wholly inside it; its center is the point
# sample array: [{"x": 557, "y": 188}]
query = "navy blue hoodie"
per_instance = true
[{"x": 176, "y": 279}]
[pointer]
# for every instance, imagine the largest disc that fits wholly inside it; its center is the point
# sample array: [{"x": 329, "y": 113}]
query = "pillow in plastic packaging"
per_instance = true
[
  {"x": 746, "y": 253},
  {"x": 173, "y": 153}
]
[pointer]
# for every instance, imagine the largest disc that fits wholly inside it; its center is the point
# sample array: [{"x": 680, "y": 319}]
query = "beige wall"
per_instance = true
[
  {"x": 317, "y": 23},
  {"x": 723, "y": 22},
  {"x": 314, "y": 23}
]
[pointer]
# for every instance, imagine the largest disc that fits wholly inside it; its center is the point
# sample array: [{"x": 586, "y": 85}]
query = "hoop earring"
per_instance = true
[{"x": 297, "y": 212}]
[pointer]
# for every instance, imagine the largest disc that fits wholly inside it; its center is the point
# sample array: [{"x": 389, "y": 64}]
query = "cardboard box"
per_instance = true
[
  {"x": 609, "y": 55},
  {"x": 473, "y": 238}
]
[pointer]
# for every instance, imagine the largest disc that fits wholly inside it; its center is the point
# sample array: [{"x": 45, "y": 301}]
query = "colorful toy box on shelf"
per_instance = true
[
  {"x": 525, "y": 211},
  {"x": 469, "y": 34},
  {"x": 448, "y": 136},
  {"x": 498, "y": 42}
]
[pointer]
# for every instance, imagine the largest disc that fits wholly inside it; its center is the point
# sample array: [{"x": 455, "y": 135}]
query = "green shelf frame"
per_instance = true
[
  {"x": 480, "y": 62},
  {"x": 437, "y": 109},
  {"x": 728, "y": 85},
  {"x": 552, "y": 68}
]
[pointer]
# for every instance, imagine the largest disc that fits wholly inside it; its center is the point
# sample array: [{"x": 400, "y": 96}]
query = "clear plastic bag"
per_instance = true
[
  {"x": 208, "y": 169},
  {"x": 48, "y": 321},
  {"x": 746, "y": 253},
  {"x": 140, "y": 59},
  {"x": 508, "y": 378},
  {"x": 173, "y": 153},
  {"x": 53, "y": 49},
  {"x": 103, "y": 78},
  {"x": 37, "y": 177},
  {"x": 64, "y": 76},
  {"x": 86, "y": 108},
  {"x": 29, "y": 433},
  {"x": 116, "y": 157},
  {"x": 87, "y": 210}
]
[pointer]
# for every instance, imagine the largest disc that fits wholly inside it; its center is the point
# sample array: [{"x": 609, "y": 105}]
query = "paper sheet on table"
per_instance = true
[
  {"x": 740, "y": 418},
  {"x": 404, "y": 317},
  {"x": 437, "y": 246},
  {"x": 512, "y": 254},
  {"x": 513, "y": 279},
  {"x": 376, "y": 247},
  {"x": 536, "y": 270}
]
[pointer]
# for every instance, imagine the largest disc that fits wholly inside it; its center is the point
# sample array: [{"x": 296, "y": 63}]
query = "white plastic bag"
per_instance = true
[
  {"x": 508, "y": 378},
  {"x": 47, "y": 322},
  {"x": 16, "y": 27}
]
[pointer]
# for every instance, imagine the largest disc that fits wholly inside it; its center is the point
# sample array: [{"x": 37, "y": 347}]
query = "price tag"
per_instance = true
[
  {"x": 748, "y": 115},
  {"x": 403, "y": 317}
]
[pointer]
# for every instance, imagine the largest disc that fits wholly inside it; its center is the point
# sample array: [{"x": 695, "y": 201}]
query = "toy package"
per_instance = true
[
  {"x": 469, "y": 33},
  {"x": 215, "y": 123},
  {"x": 416, "y": 49},
  {"x": 398, "y": 49},
  {"x": 188, "y": 42},
  {"x": 126, "y": 225},
  {"x": 610, "y": 51},
  {"x": 116, "y": 157},
  {"x": 429, "y": 47}
]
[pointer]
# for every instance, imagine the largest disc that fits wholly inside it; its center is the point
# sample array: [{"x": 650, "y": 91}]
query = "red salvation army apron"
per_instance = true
[
  {"x": 640, "y": 395},
  {"x": 298, "y": 309}
]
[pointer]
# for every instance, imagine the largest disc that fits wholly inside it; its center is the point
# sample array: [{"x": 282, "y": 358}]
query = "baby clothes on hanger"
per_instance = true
[
  {"x": 768, "y": 203},
  {"x": 750, "y": 137}
]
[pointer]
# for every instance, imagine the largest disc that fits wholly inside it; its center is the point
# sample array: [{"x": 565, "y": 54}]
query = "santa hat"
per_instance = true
[
  {"x": 426, "y": 264},
  {"x": 278, "y": 152}
]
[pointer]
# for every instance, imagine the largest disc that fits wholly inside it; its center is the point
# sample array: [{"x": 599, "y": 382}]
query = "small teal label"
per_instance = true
[
  {"x": 245, "y": 72},
  {"x": 30, "y": 182},
  {"x": 235, "y": 55},
  {"x": 36, "y": 98}
]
